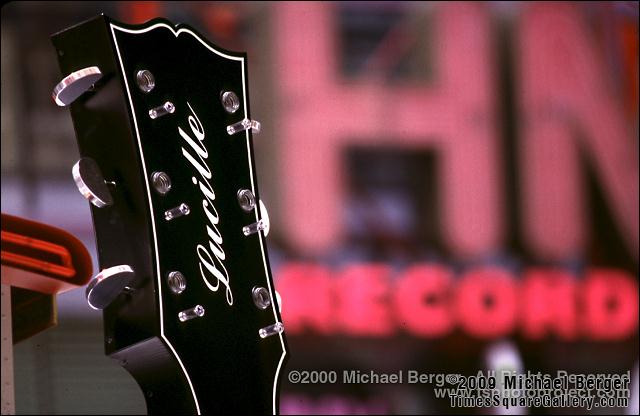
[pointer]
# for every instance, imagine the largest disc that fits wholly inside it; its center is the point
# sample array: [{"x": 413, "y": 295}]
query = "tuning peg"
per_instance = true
[
  {"x": 246, "y": 200},
  {"x": 262, "y": 225},
  {"x": 261, "y": 297},
  {"x": 279, "y": 298},
  {"x": 230, "y": 101},
  {"x": 265, "y": 218},
  {"x": 191, "y": 313},
  {"x": 91, "y": 183},
  {"x": 275, "y": 329},
  {"x": 107, "y": 285},
  {"x": 162, "y": 110},
  {"x": 75, "y": 84},
  {"x": 243, "y": 125}
]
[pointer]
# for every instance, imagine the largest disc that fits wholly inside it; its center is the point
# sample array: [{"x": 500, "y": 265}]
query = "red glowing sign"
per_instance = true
[
  {"x": 488, "y": 302},
  {"x": 562, "y": 90}
]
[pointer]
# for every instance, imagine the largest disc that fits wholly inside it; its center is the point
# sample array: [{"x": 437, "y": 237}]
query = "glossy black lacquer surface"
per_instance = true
[{"x": 216, "y": 362}]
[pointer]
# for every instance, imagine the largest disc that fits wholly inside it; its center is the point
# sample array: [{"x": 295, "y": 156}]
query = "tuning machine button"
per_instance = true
[
  {"x": 179, "y": 211},
  {"x": 107, "y": 285},
  {"x": 75, "y": 84},
  {"x": 279, "y": 299},
  {"x": 243, "y": 125},
  {"x": 91, "y": 183},
  {"x": 267, "y": 331},
  {"x": 162, "y": 110},
  {"x": 262, "y": 225},
  {"x": 191, "y": 313}
]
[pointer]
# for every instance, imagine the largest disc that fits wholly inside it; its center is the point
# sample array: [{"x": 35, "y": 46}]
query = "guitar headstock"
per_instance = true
[{"x": 165, "y": 136}]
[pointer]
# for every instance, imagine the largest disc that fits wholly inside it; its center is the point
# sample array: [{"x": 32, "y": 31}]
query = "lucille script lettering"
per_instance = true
[{"x": 211, "y": 255}]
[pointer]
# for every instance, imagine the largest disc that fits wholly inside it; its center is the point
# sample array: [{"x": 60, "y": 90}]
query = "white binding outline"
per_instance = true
[{"x": 146, "y": 181}]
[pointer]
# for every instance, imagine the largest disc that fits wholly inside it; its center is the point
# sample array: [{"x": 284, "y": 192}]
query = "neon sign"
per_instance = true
[{"x": 428, "y": 301}]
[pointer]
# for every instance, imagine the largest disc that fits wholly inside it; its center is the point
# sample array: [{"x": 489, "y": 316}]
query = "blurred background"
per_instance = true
[{"x": 453, "y": 187}]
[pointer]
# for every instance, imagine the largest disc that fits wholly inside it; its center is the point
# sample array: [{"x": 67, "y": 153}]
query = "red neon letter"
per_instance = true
[
  {"x": 306, "y": 297},
  {"x": 549, "y": 304},
  {"x": 487, "y": 302},
  {"x": 324, "y": 114},
  {"x": 611, "y": 304},
  {"x": 567, "y": 104},
  {"x": 363, "y": 307},
  {"x": 422, "y": 298}
]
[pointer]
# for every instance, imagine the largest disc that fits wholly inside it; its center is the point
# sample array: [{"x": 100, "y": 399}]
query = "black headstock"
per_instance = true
[{"x": 165, "y": 136}]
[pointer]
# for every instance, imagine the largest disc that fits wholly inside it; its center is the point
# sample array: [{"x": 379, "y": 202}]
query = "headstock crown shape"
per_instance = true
[{"x": 165, "y": 137}]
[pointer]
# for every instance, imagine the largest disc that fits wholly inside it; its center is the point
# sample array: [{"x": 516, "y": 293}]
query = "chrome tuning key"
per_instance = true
[
  {"x": 179, "y": 211},
  {"x": 264, "y": 224},
  {"x": 105, "y": 287},
  {"x": 91, "y": 183},
  {"x": 279, "y": 299},
  {"x": 243, "y": 125},
  {"x": 188, "y": 314},
  {"x": 230, "y": 101},
  {"x": 162, "y": 110},
  {"x": 161, "y": 182},
  {"x": 261, "y": 297},
  {"x": 267, "y": 331},
  {"x": 177, "y": 282},
  {"x": 75, "y": 84},
  {"x": 145, "y": 80},
  {"x": 246, "y": 200}
]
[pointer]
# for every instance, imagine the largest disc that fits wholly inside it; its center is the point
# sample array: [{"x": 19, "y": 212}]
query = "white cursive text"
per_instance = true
[{"x": 211, "y": 266}]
